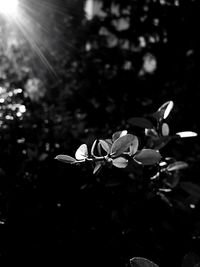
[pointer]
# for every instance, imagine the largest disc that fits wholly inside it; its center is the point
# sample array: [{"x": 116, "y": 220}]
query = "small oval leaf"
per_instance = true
[
  {"x": 165, "y": 129},
  {"x": 122, "y": 144},
  {"x": 142, "y": 262},
  {"x": 81, "y": 152},
  {"x": 148, "y": 157},
  {"x": 140, "y": 122},
  {"x": 186, "y": 134},
  {"x": 178, "y": 165},
  {"x": 66, "y": 159},
  {"x": 120, "y": 162}
]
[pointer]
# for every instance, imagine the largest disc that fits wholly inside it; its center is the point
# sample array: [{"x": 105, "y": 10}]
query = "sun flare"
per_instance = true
[{"x": 9, "y": 7}]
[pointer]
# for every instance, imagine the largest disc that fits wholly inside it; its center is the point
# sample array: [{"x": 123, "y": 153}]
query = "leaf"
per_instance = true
[
  {"x": 148, "y": 157},
  {"x": 164, "y": 111},
  {"x": 173, "y": 181},
  {"x": 120, "y": 162},
  {"x": 81, "y": 152},
  {"x": 99, "y": 149},
  {"x": 142, "y": 262},
  {"x": 122, "y": 144},
  {"x": 165, "y": 129},
  {"x": 133, "y": 147},
  {"x": 186, "y": 134},
  {"x": 164, "y": 198},
  {"x": 118, "y": 134},
  {"x": 97, "y": 167},
  {"x": 178, "y": 165},
  {"x": 190, "y": 260},
  {"x": 43, "y": 156},
  {"x": 170, "y": 105},
  {"x": 140, "y": 122},
  {"x": 109, "y": 142},
  {"x": 96, "y": 149},
  {"x": 93, "y": 147},
  {"x": 66, "y": 159},
  {"x": 105, "y": 146},
  {"x": 159, "y": 142},
  {"x": 151, "y": 132},
  {"x": 192, "y": 189}
]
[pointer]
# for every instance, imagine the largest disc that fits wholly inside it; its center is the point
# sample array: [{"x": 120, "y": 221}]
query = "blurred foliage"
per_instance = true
[{"x": 125, "y": 61}]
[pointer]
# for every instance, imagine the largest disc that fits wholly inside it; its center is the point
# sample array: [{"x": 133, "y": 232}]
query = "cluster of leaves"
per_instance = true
[
  {"x": 189, "y": 260},
  {"x": 124, "y": 147},
  {"x": 132, "y": 152}
]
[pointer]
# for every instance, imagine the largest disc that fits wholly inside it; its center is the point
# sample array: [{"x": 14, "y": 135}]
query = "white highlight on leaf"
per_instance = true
[
  {"x": 120, "y": 162},
  {"x": 124, "y": 132},
  {"x": 178, "y": 165},
  {"x": 186, "y": 134},
  {"x": 168, "y": 109},
  {"x": 81, "y": 152}
]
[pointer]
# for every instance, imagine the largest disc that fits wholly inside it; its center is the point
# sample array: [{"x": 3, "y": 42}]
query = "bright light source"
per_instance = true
[
  {"x": 9, "y": 7},
  {"x": 89, "y": 6}
]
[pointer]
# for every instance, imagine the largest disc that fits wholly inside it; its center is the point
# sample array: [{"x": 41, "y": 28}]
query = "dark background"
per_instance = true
[{"x": 93, "y": 75}]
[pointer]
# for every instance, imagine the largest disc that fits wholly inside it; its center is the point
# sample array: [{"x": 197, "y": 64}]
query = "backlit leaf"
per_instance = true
[
  {"x": 93, "y": 147},
  {"x": 105, "y": 146},
  {"x": 66, "y": 159},
  {"x": 186, "y": 134},
  {"x": 81, "y": 152},
  {"x": 122, "y": 144},
  {"x": 148, "y": 157},
  {"x": 178, "y": 165},
  {"x": 118, "y": 134},
  {"x": 120, "y": 162},
  {"x": 165, "y": 129},
  {"x": 164, "y": 111},
  {"x": 133, "y": 147},
  {"x": 109, "y": 142},
  {"x": 97, "y": 167},
  {"x": 142, "y": 262},
  {"x": 170, "y": 105},
  {"x": 151, "y": 132}
]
